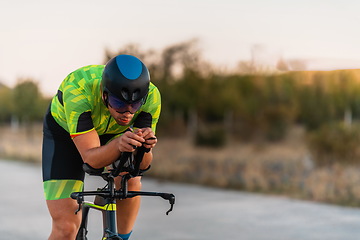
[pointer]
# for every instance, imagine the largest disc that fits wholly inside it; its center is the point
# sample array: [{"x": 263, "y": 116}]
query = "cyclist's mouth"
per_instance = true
[{"x": 124, "y": 120}]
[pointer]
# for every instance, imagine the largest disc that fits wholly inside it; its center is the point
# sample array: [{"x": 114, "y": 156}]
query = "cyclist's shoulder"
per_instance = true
[
  {"x": 153, "y": 102},
  {"x": 153, "y": 91},
  {"x": 83, "y": 80},
  {"x": 153, "y": 97},
  {"x": 87, "y": 72},
  {"x": 152, "y": 85},
  {"x": 92, "y": 68}
]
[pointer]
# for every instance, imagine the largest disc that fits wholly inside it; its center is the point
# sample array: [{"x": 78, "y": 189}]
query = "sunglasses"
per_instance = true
[{"x": 122, "y": 107}]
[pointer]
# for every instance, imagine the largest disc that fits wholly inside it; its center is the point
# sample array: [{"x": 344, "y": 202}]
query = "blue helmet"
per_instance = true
[{"x": 126, "y": 78}]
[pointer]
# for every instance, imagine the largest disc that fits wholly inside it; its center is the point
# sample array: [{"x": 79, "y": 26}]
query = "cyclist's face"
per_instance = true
[
  {"x": 121, "y": 106},
  {"x": 123, "y": 118}
]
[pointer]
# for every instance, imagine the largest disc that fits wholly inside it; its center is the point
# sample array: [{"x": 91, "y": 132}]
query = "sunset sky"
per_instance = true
[{"x": 45, "y": 40}]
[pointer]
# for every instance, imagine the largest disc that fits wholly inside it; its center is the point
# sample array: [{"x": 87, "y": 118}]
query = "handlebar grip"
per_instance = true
[
  {"x": 74, "y": 195},
  {"x": 122, "y": 160},
  {"x": 138, "y": 159}
]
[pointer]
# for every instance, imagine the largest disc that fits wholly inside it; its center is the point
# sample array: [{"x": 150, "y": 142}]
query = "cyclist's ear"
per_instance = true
[{"x": 105, "y": 98}]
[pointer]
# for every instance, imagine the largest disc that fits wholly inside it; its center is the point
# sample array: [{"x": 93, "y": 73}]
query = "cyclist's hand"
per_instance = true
[
  {"x": 129, "y": 141},
  {"x": 149, "y": 136}
]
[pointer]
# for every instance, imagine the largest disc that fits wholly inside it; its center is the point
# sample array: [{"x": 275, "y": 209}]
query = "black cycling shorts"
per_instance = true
[{"x": 61, "y": 161}]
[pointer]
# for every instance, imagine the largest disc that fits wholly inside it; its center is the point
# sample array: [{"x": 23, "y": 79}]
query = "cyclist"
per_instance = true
[{"x": 90, "y": 120}]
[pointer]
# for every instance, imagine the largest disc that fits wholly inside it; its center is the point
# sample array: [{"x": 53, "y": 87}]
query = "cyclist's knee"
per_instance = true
[
  {"x": 64, "y": 229},
  {"x": 134, "y": 184},
  {"x": 65, "y": 222}
]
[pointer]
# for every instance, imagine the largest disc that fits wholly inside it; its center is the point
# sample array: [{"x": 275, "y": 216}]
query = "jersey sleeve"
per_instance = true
[
  {"x": 77, "y": 110},
  {"x": 153, "y": 105}
]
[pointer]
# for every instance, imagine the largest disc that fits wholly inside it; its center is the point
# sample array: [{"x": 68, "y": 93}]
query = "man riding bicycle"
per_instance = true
[{"x": 90, "y": 120}]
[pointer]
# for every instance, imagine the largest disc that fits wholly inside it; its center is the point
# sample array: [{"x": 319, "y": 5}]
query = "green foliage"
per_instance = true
[
  {"x": 335, "y": 143},
  {"x": 6, "y": 106},
  {"x": 29, "y": 104},
  {"x": 247, "y": 106},
  {"x": 211, "y": 136},
  {"x": 24, "y": 102},
  {"x": 262, "y": 106}
]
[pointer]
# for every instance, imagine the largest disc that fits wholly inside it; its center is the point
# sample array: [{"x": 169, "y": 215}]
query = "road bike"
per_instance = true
[{"x": 105, "y": 198}]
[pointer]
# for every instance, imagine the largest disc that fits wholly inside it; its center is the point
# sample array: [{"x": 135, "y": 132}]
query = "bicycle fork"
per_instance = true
[{"x": 108, "y": 210}]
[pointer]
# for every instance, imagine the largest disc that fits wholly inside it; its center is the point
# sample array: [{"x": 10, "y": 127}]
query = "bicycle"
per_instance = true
[{"x": 105, "y": 198}]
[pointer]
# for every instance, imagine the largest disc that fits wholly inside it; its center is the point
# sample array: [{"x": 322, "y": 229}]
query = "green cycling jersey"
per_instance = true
[{"x": 78, "y": 107}]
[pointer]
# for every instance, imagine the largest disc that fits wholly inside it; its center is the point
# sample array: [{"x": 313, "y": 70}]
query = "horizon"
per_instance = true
[{"x": 46, "y": 41}]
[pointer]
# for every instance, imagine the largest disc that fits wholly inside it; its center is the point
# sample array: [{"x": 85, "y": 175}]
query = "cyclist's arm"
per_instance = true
[
  {"x": 97, "y": 156},
  {"x": 147, "y": 159}
]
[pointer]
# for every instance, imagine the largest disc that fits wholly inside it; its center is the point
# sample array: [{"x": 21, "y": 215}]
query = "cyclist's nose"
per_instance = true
[
  {"x": 127, "y": 113},
  {"x": 127, "y": 109}
]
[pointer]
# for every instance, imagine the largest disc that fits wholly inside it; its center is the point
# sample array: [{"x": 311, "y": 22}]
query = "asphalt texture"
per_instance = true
[{"x": 199, "y": 214}]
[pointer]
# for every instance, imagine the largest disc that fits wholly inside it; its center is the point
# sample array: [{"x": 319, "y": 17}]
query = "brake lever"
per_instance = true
[
  {"x": 171, "y": 208},
  {"x": 80, "y": 200},
  {"x": 79, "y": 208},
  {"x": 171, "y": 198}
]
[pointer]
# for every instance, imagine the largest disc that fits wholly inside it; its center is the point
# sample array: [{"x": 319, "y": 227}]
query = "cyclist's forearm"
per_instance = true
[
  {"x": 102, "y": 156},
  {"x": 147, "y": 159},
  {"x": 88, "y": 145}
]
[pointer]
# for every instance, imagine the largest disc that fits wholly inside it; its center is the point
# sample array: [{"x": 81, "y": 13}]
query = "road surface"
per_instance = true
[{"x": 199, "y": 214}]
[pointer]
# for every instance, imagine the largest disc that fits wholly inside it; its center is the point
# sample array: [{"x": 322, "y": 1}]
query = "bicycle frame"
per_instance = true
[{"x": 105, "y": 199}]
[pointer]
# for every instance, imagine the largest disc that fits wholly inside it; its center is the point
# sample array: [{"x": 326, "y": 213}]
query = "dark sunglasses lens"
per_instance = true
[
  {"x": 116, "y": 103},
  {"x": 121, "y": 106},
  {"x": 136, "y": 106}
]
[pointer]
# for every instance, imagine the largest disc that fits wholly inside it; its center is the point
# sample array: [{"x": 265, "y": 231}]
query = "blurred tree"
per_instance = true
[
  {"x": 282, "y": 65},
  {"x": 179, "y": 58},
  {"x": 297, "y": 65},
  {"x": 257, "y": 102},
  {"x": 335, "y": 143},
  {"x": 6, "y": 105},
  {"x": 29, "y": 104}
]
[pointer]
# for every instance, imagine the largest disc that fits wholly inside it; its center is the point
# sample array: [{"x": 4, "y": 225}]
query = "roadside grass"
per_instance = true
[
  {"x": 283, "y": 168},
  {"x": 21, "y": 143}
]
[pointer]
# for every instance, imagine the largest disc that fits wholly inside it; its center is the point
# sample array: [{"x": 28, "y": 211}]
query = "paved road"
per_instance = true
[{"x": 200, "y": 213}]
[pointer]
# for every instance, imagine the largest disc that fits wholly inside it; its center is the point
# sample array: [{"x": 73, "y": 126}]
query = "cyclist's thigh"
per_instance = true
[
  {"x": 63, "y": 210},
  {"x": 61, "y": 162}
]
